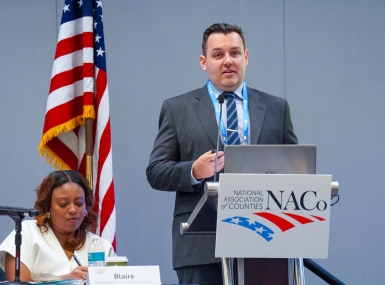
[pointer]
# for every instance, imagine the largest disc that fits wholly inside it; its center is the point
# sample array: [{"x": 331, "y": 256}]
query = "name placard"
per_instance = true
[
  {"x": 112, "y": 275},
  {"x": 273, "y": 215}
]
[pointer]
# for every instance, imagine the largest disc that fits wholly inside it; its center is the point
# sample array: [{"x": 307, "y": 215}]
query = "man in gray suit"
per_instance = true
[{"x": 182, "y": 160}]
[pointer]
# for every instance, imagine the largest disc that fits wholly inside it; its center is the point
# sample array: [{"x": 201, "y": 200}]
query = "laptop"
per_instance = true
[{"x": 270, "y": 159}]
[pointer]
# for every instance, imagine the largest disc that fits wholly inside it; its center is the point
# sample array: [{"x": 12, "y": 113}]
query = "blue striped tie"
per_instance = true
[{"x": 232, "y": 119}]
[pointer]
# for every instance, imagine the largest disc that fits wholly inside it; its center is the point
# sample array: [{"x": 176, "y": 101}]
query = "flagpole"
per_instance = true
[{"x": 88, "y": 129}]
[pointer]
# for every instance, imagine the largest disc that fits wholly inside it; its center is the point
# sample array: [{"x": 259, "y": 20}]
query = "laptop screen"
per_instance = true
[{"x": 270, "y": 159}]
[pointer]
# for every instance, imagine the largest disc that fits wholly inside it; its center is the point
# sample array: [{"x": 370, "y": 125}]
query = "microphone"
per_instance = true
[
  {"x": 221, "y": 99},
  {"x": 4, "y": 211}
]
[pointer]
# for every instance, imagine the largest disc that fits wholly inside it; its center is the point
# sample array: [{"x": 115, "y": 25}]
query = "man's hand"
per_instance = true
[{"x": 203, "y": 167}]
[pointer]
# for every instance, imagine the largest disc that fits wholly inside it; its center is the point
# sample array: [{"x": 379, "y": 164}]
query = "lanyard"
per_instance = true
[{"x": 245, "y": 108}]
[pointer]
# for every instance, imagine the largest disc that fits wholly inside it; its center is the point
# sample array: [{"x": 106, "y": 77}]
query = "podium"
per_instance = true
[{"x": 255, "y": 252}]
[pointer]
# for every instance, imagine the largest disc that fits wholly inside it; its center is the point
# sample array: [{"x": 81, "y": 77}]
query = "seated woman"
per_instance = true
[{"x": 57, "y": 241}]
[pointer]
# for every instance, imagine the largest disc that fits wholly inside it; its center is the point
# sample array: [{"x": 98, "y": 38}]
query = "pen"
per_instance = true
[{"x": 77, "y": 260}]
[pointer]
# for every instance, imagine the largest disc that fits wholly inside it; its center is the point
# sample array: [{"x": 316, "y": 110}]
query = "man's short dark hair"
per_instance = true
[{"x": 221, "y": 28}]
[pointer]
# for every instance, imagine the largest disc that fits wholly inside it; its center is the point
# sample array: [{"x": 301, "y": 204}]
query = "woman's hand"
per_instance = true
[{"x": 79, "y": 272}]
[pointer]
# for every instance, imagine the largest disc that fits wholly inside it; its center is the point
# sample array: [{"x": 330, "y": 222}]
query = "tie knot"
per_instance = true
[{"x": 228, "y": 95}]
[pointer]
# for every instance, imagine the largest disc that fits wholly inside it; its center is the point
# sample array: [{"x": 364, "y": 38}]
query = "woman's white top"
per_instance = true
[{"x": 42, "y": 252}]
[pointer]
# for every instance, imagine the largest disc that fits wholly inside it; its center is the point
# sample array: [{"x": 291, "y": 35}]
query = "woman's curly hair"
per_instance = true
[{"x": 43, "y": 205}]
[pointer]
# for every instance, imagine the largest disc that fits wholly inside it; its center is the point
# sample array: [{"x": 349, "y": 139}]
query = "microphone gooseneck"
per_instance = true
[
  {"x": 4, "y": 211},
  {"x": 221, "y": 99}
]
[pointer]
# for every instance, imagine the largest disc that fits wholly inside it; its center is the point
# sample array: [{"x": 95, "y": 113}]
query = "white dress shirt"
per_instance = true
[{"x": 42, "y": 252}]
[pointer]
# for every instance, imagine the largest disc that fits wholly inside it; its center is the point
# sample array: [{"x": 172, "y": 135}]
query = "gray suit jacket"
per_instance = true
[{"x": 187, "y": 129}]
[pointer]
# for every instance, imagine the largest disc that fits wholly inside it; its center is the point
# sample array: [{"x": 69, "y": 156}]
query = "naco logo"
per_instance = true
[
  {"x": 283, "y": 210},
  {"x": 287, "y": 200}
]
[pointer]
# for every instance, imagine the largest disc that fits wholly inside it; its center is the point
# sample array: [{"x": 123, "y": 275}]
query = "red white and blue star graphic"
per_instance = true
[{"x": 284, "y": 222}]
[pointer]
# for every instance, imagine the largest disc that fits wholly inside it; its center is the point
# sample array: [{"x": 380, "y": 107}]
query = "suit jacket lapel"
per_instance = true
[
  {"x": 257, "y": 112},
  {"x": 206, "y": 114}
]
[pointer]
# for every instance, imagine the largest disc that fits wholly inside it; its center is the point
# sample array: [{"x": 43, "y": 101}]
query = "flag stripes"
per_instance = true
[{"x": 79, "y": 90}]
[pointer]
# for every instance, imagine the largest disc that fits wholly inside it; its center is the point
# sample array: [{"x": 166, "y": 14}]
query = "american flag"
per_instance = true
[{"x": 79, "y": 90}]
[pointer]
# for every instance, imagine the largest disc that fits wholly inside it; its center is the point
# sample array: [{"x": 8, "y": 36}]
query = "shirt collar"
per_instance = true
[{"x": 237, "y": 92}]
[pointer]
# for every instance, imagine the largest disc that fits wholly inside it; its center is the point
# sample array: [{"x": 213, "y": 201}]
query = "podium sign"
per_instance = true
[{"x": 273, "y": 216}]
